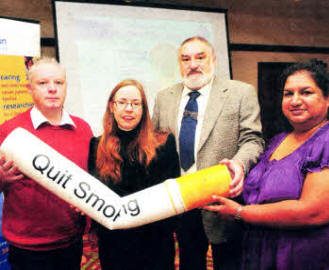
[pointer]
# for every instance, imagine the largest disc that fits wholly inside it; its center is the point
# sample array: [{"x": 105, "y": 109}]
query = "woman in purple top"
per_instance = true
[{"x": 287, "y": 192}]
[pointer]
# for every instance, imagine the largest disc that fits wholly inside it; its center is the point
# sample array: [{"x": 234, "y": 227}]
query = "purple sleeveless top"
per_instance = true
[{"x": 268, "y": 248}]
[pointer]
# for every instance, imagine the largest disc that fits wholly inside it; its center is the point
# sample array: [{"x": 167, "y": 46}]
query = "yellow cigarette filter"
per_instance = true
[{"x": 197, "y": 188}]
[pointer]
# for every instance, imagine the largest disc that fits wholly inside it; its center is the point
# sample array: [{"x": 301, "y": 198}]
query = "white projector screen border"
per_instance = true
[{"x": 101, "y": 44}]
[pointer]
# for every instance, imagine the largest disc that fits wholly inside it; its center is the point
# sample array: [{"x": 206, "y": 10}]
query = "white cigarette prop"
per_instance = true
[{"x": 61, "y": 176}]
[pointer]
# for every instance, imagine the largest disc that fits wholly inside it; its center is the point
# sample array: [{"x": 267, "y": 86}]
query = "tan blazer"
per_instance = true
[{"x": 231, "y": 129}]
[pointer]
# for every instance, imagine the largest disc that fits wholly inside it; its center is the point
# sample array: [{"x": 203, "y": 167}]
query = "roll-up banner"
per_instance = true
[
  {"x": 19, "y": 37},
  {"x": 19, "y": 45},
  {"x": 14, "y": 98}
]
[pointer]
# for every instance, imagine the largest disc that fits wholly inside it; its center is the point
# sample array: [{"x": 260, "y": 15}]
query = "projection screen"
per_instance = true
[{"x": 101, "y": 44}]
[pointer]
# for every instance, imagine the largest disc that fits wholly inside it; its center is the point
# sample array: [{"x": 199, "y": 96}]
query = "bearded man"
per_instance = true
[{"x": 215, "y": 120}]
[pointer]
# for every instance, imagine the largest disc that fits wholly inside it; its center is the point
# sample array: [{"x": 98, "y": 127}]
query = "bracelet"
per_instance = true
[{"x": 237, "y": 215}]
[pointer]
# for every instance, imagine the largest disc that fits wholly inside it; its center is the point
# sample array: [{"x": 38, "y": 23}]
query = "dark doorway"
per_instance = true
[{"x": 269, "y": 96}]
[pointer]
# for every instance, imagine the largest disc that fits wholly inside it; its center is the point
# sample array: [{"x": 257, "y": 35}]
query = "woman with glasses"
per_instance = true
[{"x": 130, "y": 156}]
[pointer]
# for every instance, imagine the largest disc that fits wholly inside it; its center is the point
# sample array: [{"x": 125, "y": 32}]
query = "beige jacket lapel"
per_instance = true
[
  {"x": 176, "y": 95},
  {"x": 214, "y": 108}
]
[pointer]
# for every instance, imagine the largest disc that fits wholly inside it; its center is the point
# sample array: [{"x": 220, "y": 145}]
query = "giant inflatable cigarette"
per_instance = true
[{"x": 68, "y": 181}]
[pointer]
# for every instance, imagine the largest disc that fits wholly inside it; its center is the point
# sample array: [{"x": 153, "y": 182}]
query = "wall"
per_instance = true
[
  {"x": 271, "y": 22},
  {"x": 288, "y": 22}
]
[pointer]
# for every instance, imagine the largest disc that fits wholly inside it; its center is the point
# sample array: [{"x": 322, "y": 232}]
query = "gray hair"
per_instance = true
[
  {"x": 201, "y": 39},
  {"x": 43, "y": 60}
]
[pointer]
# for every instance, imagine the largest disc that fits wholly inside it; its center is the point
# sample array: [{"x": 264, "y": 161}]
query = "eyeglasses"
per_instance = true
[{"x": 122, "y": 104}]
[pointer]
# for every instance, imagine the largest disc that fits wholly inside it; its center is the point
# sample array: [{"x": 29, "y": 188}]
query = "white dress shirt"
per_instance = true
[
  {"x": 38, "y": 118},
  {"x": 202, "y": 101}
]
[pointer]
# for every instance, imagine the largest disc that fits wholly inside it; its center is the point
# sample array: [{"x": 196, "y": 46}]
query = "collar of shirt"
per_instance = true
[
  {"x": 204, "y": 91},
  {"x": 38, "y": 118},
  {"x": 202, "y": 103}
]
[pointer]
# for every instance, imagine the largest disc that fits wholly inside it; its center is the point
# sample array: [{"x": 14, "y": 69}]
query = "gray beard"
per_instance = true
[{"x": 198, "y": 83}]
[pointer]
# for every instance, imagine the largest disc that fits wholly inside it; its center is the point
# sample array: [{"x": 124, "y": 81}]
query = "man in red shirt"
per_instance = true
[{"x": 42, "y": 230}]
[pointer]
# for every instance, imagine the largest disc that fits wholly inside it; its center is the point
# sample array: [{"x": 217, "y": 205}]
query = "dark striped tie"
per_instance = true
[{"x": 187, "y": 131}]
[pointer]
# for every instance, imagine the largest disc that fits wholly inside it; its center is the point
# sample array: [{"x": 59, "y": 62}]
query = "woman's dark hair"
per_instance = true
[{"x": 318, "y": 71}]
